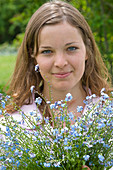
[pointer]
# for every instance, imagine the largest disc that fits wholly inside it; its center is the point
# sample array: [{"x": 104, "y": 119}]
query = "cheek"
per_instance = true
[
  {"x": 78, "y": 62},
  {"x": 79, "y": 65},
  {"x": 44, "y": 66}
]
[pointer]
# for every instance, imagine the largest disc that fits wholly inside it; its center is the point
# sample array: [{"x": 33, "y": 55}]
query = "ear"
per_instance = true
[{"x": 86, "y": 57}]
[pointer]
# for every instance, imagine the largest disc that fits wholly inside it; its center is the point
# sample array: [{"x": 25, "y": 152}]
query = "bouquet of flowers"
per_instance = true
[{"x": 58, "y": 143}]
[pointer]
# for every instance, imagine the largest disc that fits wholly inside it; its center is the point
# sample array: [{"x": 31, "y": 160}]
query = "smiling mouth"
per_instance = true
[{"x": 62, "y": 75}]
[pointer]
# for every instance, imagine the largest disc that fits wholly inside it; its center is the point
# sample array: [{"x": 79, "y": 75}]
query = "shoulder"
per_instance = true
[
  {"x": 29, "y": 107},
  {"x": 18, "y": 115},
  {"x": 27, "y": 110}
]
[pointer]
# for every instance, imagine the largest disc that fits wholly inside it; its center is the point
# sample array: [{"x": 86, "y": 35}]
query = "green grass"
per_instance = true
[{"x": 7, "y": 64}]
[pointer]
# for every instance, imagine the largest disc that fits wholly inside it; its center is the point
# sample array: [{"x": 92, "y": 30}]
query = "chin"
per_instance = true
[{"x": 62, "y": 88}]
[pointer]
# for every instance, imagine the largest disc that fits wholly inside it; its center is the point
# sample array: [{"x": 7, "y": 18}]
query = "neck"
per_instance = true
[{"x": 77, "y": 93}]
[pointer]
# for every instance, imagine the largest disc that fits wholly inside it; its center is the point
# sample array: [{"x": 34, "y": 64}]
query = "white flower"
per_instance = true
[
  {"x": 68, "y": 97},
  {"x": 37, "y": 68},
  {"x": 32, "y": 88},
  {"x": 38, "y": 100}
]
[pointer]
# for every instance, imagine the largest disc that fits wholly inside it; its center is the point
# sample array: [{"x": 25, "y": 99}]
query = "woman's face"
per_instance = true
[{"x": 61, "y": 56}]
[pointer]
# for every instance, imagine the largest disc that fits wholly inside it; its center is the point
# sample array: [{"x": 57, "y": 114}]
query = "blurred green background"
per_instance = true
[{"x": 15, "y": 14}]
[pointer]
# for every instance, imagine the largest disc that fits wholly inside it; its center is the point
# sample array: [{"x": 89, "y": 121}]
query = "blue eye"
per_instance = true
[
  {"x": 46, "y": 52},
  {"x": 72, "y": 48}
]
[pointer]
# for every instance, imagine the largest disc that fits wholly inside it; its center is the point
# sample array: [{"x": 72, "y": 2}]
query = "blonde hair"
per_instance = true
[{"x": 24, "y": 76}]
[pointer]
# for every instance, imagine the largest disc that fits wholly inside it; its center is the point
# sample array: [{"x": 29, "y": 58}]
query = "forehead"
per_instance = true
[{"x": 62, "y": 30}]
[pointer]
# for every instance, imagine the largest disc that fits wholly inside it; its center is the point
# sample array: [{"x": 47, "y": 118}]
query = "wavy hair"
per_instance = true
[{"x": 95, "y": 76}]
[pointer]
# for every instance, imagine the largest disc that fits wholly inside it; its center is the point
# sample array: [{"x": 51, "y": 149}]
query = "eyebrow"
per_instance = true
[
  {"x": 45, "y": 47},
  {"x": 65, "y": 45},
  {"x": 71, "y": 43}
]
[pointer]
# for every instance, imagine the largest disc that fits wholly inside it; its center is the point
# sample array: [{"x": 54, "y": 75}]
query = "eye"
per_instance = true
[
  {"x": 72, "y": 48},
  {"x": 46, "y": 52}
]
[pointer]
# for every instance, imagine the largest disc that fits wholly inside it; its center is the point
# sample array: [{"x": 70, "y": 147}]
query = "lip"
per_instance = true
[{"x": 62, "y": 74}]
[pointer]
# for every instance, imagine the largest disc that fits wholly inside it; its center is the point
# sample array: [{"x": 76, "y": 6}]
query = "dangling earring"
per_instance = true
[{"x": 37, "y": 68}]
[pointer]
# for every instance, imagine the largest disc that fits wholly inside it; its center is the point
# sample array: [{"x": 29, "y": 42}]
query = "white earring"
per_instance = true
[{"x": 37, "y": 68}]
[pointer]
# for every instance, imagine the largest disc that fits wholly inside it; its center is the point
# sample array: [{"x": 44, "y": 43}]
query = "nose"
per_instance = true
[{"x": 60, "y": 60}]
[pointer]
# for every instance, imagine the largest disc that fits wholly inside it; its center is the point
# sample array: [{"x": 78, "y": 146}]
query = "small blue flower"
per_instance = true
[
  {"x": 66, "y": 129},
  {"x": 86, "y": 157},
  {"x": 38, "y": 100},
  {"x": 93, "y": 95},
  {"x": 9, "y": 159},
  {"x": 77, "y": 154},
  {"x": 79, "y": 108},
  {"x": 55, "y": 141},
  {"x": 57, "y": 164},
  {"x": 23, "y": 115},
  {"x": 101, "y": 125},
  {"x": 63, "y": 105},
  {"x": 7, "y": 97},
  {"x": 17, "y": 163},
  {"x": 62, "y": 131},
  {"x": 32, "y": 155},
  {"x": 68, "y": 97},
  {"x": 34, "y": 127},
  {"x": 16, "y": 152},
  {"x": 71, "y": 116},
  {"x": 101, "y": 158},
  {"x": 68, "y": 147},
  {"x": 32, "y": 113},
  {"x": 56, "y": 105},
  {"x": 47, "y": 164},
  {"x": 3, "y": 167},
  {"x": 27, "y": 150},
  {"x": 7, "y": 128},
  {"x": 0, "y": 112},
  {"x": 65, "y": 141},
  {"x": 87, "y": 97},
  {"x": 62, "y": 118},
  {"x": 1, "y": 157},
  {"x": 86, "y": 102},
  {"x": 48, "y": 102},
  {"x": 20, "y": 154},
  {"x": 46, "y": 120},
  {"x": 102, "y": 90},
  {"x": 52, "y": 106},
  {"x": 104, "y": 96},
  {"x": 112, "y": 93},
  {"x": 38, "y": 118},
  {"x": 59, "y": 103},
  {"x": 3, "y": 104},
  {"x": 55, "y": 132}
]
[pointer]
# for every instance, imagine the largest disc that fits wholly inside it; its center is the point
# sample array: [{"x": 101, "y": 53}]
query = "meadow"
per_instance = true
[{"x": 7, "y": 63}]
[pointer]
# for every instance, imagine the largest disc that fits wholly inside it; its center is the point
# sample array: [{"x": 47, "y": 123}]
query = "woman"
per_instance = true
[{"x": 60, "y": 41}]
